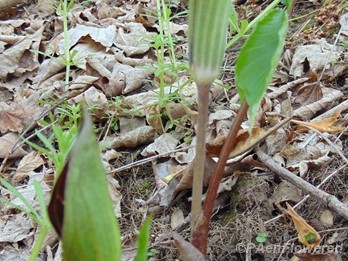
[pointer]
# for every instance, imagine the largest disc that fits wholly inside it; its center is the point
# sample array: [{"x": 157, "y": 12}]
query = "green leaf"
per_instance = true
[
  {"x": 143, "y": 241},
  {"x": 261, "y": 237},
  {"x": 208, "y": 21},
  {"x": 90, "y": 229},
  {"x": 259, "y": 58}
]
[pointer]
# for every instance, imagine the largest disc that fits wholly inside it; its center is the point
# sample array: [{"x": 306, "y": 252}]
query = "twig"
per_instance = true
[
  {"x": 323, "y": 197},
  {"x": 339, "y": 152},
  {"x": 144, "y": 161},
  {"x": 307, "y": 196},
  {"x": 340, "y": 107}
]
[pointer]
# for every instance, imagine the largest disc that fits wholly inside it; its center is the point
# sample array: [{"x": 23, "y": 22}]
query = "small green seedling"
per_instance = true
[{"x": 261, "y": 237}]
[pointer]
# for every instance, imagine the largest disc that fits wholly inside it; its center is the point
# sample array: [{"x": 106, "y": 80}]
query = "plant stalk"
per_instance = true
[
  {"x": 201, "y": 228},
  {"x": 198, "y": 171}
]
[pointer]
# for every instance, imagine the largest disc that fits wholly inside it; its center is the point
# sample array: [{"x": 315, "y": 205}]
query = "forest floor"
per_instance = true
[{"x": 134, "y": 78}]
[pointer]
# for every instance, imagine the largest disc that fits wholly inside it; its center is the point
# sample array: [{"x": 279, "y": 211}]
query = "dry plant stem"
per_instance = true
[
  {"x": 201, "y": 228},
  {"x": 325, "y": 198},
  {"x": 198, "y": 172}
]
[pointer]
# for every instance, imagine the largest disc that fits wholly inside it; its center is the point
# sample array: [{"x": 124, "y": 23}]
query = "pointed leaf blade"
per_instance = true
[
  {"x": 90, "y": 229},
  {"x": 143, "y": 241},
  {"x": 259, "y": 58}
]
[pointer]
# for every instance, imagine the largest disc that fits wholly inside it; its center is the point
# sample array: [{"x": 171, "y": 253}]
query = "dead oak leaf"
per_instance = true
[
  {"x": 325, "y": 125},
  {"x": 11, "y": 118}
]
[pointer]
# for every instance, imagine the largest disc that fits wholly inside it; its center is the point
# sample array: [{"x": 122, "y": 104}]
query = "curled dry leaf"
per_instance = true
[
  {"x": 186, "y": 180},
  {"x": 28, "y": 163},
  {"x": 244, "y": 141},
  {"x": 324, "y": 125},
  {"x": 7, "y": 143},
  {"x": 18, "y": 59},
  {"x": 187, "y": 251},
  {"x": 285, "y": 192},
  {"x": 166, "y": 182},
  {"x": 330, "y": 96},
  {"x": 115, "y": 194},
  {"x": 132, "y": 39},
  {"x": 163, "y": 144},
  {"x": 307, "y": 235},
  {"x": 105, "y": 36},
  {"x": 319, "y": 56},
  {"x": 177, "y": 219},
  {"x": 95, "y": 99},
  {"x": 308, "y": 93},
  {"x": 132, "y": 139}
]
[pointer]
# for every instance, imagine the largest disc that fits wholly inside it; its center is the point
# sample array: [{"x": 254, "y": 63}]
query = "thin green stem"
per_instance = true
[
  {"x": 65, "y": 11},
  {"x": 39, "y": 241},
  {"x": 253, "y": 23},
  {"x": 198, "y": 172},
  {"x": 169, "y": 30},
  {"x": 160, "y": 52}
]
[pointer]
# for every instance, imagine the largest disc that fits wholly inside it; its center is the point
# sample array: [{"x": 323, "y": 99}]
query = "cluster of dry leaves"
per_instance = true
[{"x": 114, "y": 58}]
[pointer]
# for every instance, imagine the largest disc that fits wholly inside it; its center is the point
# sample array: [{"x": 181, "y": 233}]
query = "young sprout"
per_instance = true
[{"x": 207, "y": 42}]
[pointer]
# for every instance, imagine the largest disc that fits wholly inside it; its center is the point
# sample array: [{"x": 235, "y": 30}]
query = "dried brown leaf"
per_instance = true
[
  {"x": 324, "y": 125},
  {"x": 15, "y": 228},
  {"x": 177, "y": 219},
  {"x": 28, "y": 163},
  {"x": 307, "y": 235},
  {"x": 308, "y": 94},
  {"x": 187, "y": 251},
  {"x": 6, "y": 144},
  {"x": 244, "y": 141},
  {"x": 11, "y": 118},
  {"x": 318, "y": 257},
  {"x": 163, "y": 144},
  {"x": 132, "y": 139},
  {"x": 186, "y": 180}
]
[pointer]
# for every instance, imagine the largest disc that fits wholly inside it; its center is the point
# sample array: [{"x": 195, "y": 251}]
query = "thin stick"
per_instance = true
[
  {"x": 307, "y": 196},
  {"x": 325, "y": 198},
  {"x": 198, "y": 171}
]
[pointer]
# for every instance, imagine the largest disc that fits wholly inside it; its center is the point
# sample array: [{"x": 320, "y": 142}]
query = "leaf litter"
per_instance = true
[{"x": 114, "y": 57}]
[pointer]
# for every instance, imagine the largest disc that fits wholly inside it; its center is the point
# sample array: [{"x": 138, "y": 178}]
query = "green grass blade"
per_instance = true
[
  {"x": 259, "y": 58},
  {"x": 143, "y": 241},
  {"x": 30, "y": 211}
]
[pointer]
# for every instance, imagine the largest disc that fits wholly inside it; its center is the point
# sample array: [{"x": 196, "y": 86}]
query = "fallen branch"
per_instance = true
[{"x": 323, "y": 197}]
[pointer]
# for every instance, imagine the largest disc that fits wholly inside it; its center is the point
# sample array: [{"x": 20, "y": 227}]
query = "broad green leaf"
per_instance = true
[
  {"x": 208, "y": 21},
  {"x": 90, "y": 229},
  {"x": 143, "y": 241},
  {"x": 258, "y": 59}
]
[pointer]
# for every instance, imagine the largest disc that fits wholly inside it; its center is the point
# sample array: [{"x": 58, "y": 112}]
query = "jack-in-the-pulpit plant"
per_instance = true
[{"x": 208, "y": 21}]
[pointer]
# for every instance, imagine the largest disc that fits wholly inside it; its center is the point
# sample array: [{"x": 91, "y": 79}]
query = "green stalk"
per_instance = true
[
  {"x": 65, "y": 11},
  {"x": 208, "y": 21}
]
